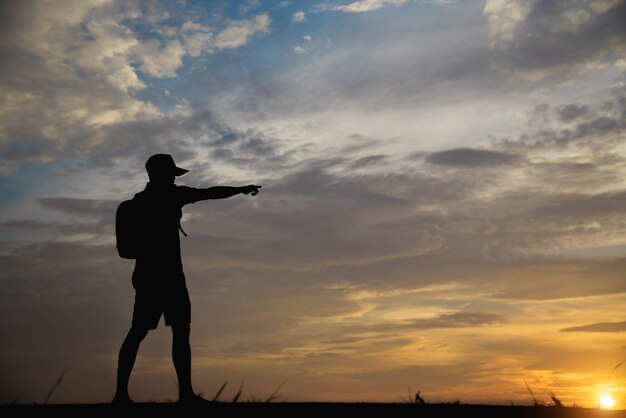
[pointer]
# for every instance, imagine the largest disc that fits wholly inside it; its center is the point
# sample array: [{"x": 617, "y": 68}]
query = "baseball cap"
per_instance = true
[{"x": 163, "y": 164}]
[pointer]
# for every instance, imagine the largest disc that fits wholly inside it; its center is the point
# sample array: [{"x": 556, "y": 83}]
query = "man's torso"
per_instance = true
[{"x": 159, "y": 263}]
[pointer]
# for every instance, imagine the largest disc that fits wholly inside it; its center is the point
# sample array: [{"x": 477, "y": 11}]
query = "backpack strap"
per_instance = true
[{"x": 141, "y": 195}]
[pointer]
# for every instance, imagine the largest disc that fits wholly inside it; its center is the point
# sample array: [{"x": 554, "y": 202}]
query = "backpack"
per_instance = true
[{"x": 128, "y": 228}]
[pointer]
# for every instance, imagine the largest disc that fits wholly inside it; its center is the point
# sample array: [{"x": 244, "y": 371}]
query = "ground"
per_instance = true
[{"x": 288, "y": 409}]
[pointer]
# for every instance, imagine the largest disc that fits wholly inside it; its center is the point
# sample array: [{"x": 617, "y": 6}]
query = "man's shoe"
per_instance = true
[{"x": 122, "y": 401}]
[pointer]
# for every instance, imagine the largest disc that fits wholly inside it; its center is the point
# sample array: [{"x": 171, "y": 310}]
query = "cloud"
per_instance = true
[
  {"x": 504, "y": 16},
  {"x": 79, "y": 73},
  {"x": 198, "y": 38},
  {"x": 71, "y": 70},
  {"x": 370, "y": 332},
  {"x": 591, "y": 126},
  {"x": 582, "y": 206},
  {"x": 471, "y": 157},
  {"x": 24, "y": 223},
  {"x": 599, "y": 327},
  {"x": 457, "y": 320},
  {"x": 299, "y": 50},
  {"x": 238, "y": 32},
  {"x": 413, "y": 221},
  {"x": 572, "y": 111},
  {"x": 370, "y": 160},
  {"x": 162, "y": 61},
  {"x": 428, "y": 69},
  {"x": 362, "y": 6},
  {"x": 536, "y": 39},
  {"x": 298, "y": 17},
  {"x": 307, "y": 38},
  {"x": 79, "y": 207}
]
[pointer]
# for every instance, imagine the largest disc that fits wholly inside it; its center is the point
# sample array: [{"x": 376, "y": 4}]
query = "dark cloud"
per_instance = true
[
  {"x": 471, "y": 157},
  {"x": 183, "y": 135},
  {"x": 597, "y": 128},
  {"x": 570, "y": 112},
  {"x": 556, "y": 278},
  {"x": 25, "y": 224},
  {"x": 583, "y": 207},
  {"x": 576, "y": 178},
  {"x": 599, "y": 327},
  {"x": 251, "y": 149},
  {"x": 370, "y": 160},
  {"x": 557, "y": 37},
  {"x": 80, "y": 207},
  {"x": 404, "y": 234},
  {"x": 322, "y": 223},
  {"x": 96, "y": 227},
  {"x": 601, "y": 125},
  {"x": 359, "y": 227},
  {"x": 459, "y": 319}
]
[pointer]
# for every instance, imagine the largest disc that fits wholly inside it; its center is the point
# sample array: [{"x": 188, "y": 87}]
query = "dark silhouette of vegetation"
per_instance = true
[
  {"x": 54, "y": 388},
  {"x": 535, "y": 403},
  {"x": 239, "y": 392},
  {"x": 557, "y": 401},
  {"x": 274, "y": 394},
  {"x": 216, "y": 397},
  {"x": 417, "y": 399}
]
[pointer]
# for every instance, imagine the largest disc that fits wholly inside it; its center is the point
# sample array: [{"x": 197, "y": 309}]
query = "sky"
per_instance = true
[{"x": 442, "y": 204}]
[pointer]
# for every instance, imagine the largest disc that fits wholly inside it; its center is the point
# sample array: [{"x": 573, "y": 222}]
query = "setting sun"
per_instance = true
[{"x": 607, "y": 401}]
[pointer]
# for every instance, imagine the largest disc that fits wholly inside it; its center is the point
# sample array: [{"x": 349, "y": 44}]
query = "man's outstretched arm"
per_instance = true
[{"x": 224, "y": 192}]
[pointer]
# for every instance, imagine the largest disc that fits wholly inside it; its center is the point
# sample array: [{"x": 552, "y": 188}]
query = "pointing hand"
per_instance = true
[{"x": 251, "y": 189}]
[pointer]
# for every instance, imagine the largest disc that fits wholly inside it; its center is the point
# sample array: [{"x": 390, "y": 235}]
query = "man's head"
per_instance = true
[{"x": 162, "y": 169}]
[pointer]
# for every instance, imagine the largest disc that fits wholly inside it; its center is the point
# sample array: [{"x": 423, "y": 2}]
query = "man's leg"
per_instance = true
[
  {"x": 126, "y": 361},
  {"x": 181, "y": 354}
]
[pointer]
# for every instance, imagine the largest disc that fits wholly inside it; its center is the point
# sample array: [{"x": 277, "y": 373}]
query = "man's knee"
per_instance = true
[
  {"x": 181, "y": 330},
  {"x": 138, "y": 333}
]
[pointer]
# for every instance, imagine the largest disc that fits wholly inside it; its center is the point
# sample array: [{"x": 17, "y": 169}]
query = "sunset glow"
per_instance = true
[
  {"x": 443, "y": 203},
  {"x": 607, "y": 401}
]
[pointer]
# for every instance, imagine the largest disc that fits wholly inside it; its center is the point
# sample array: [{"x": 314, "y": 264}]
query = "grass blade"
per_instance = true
[
  {"x": 219, "y": 392},
  {"x": 273, "y": 395},
  {"x": 557, "y": 401},
  {"x": 239, "y": 392},
  {"x": 419, "y": 399},
  {"x": 54, "y": 388},
  {"x": 535, "y": 403}
]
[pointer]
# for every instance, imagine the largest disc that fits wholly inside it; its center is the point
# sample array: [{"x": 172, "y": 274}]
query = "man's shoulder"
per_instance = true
[
  {"x": 185, "y": 189},
  {"x": 187, "y": 194},
  {"x": 174, "y": 193},
  {"x": 139, "y": 196}
]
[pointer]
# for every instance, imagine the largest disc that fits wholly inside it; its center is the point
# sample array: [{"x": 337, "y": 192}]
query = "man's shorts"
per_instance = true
[{"x": 173, "y": 303}]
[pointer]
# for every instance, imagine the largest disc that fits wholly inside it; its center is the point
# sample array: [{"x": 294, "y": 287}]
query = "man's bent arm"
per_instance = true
[{"x": 224, "y": 192}]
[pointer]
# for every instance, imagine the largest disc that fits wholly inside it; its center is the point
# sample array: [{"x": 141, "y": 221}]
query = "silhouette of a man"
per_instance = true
[{"x": 158, "y": 277}]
